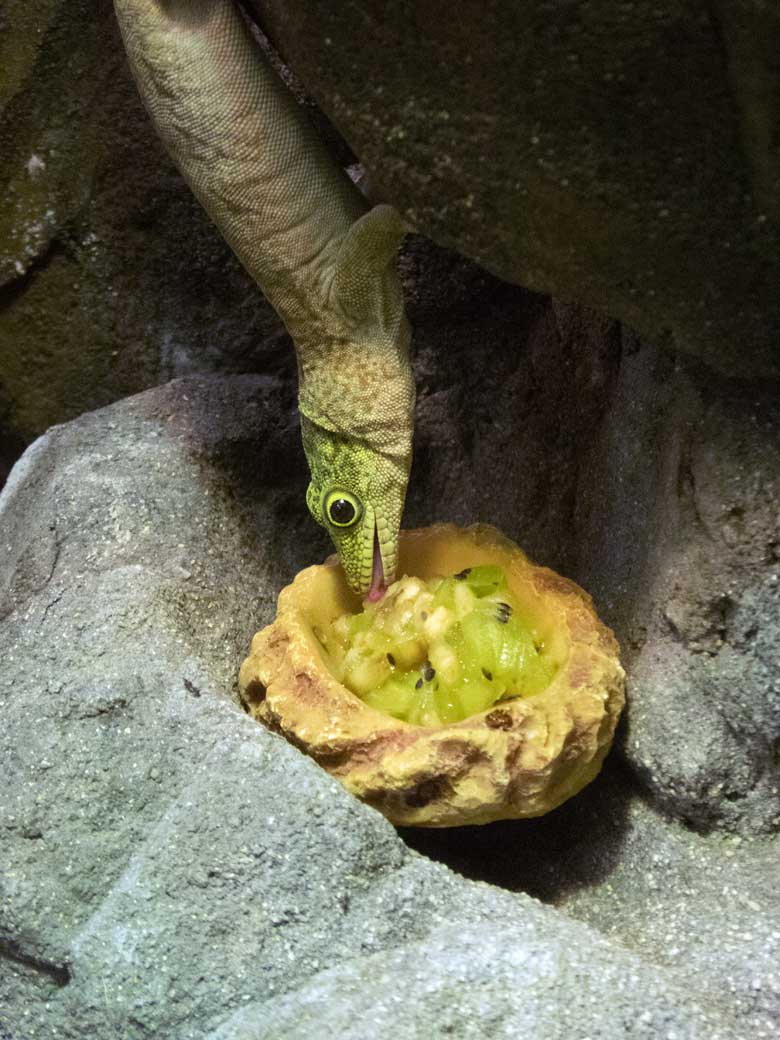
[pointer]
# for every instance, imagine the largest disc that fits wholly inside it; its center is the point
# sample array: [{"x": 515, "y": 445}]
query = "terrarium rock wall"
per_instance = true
[
  {"x": 111, "y": 277},
  {"x": 170, "y": 869},
  {"x": 622, "y": 155}
]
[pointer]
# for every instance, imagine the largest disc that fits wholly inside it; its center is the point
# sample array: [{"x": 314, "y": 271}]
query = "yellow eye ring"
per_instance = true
[{"x": 342, "y": 509}]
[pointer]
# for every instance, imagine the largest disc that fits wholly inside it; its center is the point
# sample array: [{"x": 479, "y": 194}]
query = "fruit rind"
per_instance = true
[{"x": 519, "y": 758}]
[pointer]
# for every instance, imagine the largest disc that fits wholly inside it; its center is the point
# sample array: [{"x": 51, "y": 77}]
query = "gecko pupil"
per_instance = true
[{"x": 342, "y": 511}]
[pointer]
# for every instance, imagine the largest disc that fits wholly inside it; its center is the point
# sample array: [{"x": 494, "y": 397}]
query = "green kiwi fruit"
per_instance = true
[{"x": 436, "y": 652}]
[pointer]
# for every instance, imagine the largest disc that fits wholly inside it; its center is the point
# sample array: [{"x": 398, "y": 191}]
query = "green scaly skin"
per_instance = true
[{"x": 323, "y": 259}]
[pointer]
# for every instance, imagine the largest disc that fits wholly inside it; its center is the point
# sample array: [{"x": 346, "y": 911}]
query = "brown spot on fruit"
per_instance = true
[
  {"x": 254, "y": 692},
  {"x": 498, "y": 719},
  {"x": 425, "y": 792}
]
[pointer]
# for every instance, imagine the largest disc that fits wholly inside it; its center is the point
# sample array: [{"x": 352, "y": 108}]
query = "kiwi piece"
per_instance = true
[
  {"x": 476, "y": 695},
  {"x": 363, "y": 673},
  {"x": 436, "y": 652},
  {"x": 394, "y": 697},
  {"x": 485, "y": 580}
]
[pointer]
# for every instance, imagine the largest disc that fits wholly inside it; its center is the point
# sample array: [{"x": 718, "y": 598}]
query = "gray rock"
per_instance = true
[
  {"x": 678, "y": 539},
  {"x": 112, "y": 278},
  {"x": 705, "y": 908},
  {"x": 564, "y": 148},
  {"x": 170, "y": 869},
  {"x": 501, "y": 980}
]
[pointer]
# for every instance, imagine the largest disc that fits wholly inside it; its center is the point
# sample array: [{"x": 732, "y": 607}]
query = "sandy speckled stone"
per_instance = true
[{"x": 519, "y": 758}]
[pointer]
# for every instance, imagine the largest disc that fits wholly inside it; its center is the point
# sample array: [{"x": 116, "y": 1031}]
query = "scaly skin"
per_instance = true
[{"x": 306, "y": 235}]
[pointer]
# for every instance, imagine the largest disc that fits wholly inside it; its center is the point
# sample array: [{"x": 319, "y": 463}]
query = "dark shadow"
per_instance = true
[
  {"x": 12, "y": 951},
  {"x": 258, "y": 462},
  {"x": 11, "y": 447},
  {"x": 577, "y": 845}
]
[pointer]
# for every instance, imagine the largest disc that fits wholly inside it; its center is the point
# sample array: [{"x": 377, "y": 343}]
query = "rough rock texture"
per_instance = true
[
  {"x": 561, "y": 145},
  {"x": 607, "y": 858},
  {"x": 688, "y": 470},
  {"x": 171, "y": 869},
  {"x": 112, "y": 278},
  {"x": 621, "y": 155}
]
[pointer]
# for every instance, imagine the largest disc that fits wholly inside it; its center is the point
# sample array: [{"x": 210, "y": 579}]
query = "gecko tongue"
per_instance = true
[{"x": 378, "y": 587}]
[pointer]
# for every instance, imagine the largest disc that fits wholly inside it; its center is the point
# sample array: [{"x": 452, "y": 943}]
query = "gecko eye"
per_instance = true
[{"x": 342, "y": 509}]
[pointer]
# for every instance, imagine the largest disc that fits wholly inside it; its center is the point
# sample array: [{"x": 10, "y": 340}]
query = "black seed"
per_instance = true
[
  {"x": 391, "y": 660},
  {"x": 488, "y": 675},
  {"x": 502, "y": 618},
  {"x": 462, "y": 575},
  {"x": 428, "y": 672},
  {"x": 418, "y": 684},
  {"x": 505, "y": 607},
  {"x": 424, "y": 615}
]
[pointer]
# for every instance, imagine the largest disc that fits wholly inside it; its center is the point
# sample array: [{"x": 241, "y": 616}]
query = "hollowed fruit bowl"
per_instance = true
[{"x": 519, "y": 758}]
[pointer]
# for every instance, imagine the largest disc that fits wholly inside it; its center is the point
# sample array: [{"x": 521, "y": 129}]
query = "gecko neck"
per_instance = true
[{"x": 361, "y": 389}]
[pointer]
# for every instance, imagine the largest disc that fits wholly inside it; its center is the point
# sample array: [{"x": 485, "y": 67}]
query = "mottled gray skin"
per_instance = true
[{"x": 303, "y": 231}]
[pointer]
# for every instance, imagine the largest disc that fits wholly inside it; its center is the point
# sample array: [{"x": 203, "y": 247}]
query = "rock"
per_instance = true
[
  {"x": 608, "y": 859},
  {"x": 562, "y": 147},
  {"x": 465, "y": 984},
  {"x": 678, "y": 539},
  {"x": 170, "y": 868},
  {"x": 112, "y": 278}
]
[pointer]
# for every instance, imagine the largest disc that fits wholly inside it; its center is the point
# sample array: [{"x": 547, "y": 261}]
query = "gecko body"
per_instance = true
[{"x": 322, "y": 257}]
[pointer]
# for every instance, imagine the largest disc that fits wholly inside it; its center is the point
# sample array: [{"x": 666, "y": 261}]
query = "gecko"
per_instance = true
[{"x": 321, "y": 255}]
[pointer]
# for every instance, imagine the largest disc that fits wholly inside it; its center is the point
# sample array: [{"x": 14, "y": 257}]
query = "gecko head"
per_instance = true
[
  {"x": 356, "y": 402},
  {"x": 357, "y": 494}
]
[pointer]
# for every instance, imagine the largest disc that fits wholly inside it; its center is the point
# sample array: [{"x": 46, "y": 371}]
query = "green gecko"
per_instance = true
[{"x": 322, "y": 258}]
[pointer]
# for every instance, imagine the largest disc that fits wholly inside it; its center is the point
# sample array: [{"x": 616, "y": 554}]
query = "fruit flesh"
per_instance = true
[{"x": 438, "y": 651}]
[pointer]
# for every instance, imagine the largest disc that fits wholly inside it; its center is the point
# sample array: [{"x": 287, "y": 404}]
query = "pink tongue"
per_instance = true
[{"x": 378, "y": 587}]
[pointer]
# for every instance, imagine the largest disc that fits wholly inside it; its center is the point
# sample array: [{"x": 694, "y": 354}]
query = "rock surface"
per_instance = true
[
  {"x": 563, "y": 147},
  {"x": 171, "y": 869},
  {"x": 566, "y": 152},
  {"x": 684, "y": 485},
  {"x": 112, "y": 278}
]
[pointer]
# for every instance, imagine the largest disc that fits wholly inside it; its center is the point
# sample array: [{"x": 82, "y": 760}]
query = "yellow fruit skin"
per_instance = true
[{"x": 519, "y": 758}]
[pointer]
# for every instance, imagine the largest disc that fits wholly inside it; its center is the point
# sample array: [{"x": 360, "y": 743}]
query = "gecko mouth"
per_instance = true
[{"x": 378, "y": 587}]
